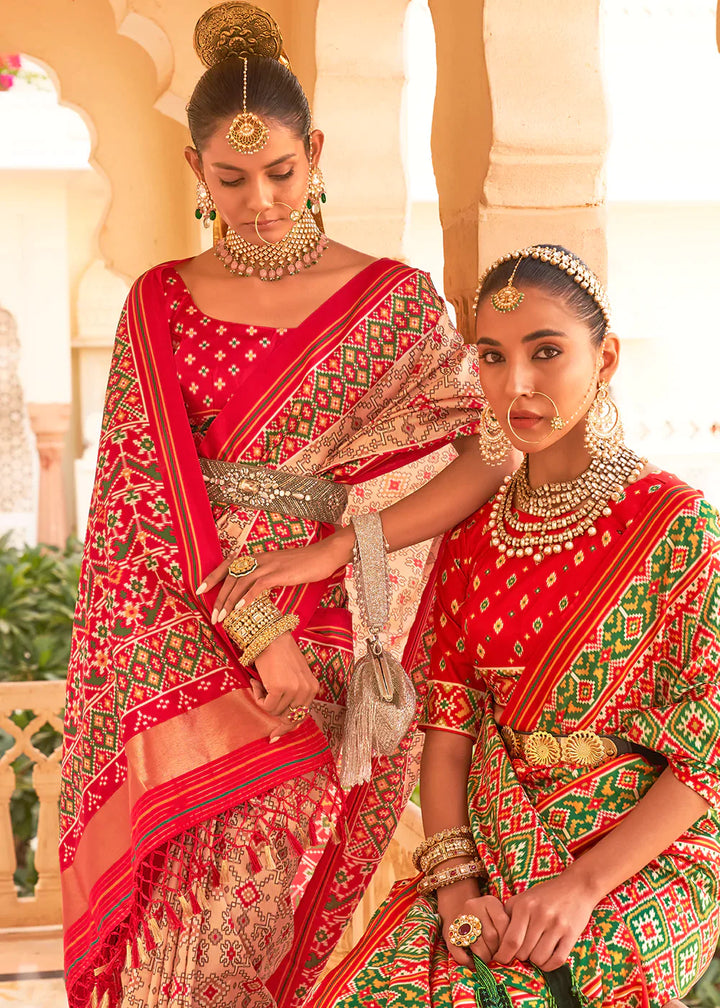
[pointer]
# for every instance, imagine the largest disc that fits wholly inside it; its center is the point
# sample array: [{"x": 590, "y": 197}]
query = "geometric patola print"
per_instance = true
[{"x": 646, "y": 670}]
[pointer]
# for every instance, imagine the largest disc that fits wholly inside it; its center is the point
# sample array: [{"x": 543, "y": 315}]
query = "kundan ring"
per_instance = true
[
  {"x": 297, "y": 713},
  {"x": 242, "y": 566},
  {"x": 465, "y": 930}
]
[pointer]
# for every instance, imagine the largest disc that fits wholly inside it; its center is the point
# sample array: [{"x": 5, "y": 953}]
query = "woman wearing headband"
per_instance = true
[
  {"x": 209, "y": 854},
  {"x": 570, "y": 778}
]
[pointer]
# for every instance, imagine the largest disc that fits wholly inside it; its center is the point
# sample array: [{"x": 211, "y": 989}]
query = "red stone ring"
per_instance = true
[{"x": 465, "y": 930}]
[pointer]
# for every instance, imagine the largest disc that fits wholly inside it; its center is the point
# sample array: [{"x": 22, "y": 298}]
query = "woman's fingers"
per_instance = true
[
  {"x": 549, "y": 958},
  {"x": 215, "y": 576}
]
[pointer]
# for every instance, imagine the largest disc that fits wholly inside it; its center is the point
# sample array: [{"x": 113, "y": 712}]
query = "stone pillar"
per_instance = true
[
  {"x": 358, "y": 104},
  {"x": 520, "y": 134},
  {"x": 50, "y": 422}
]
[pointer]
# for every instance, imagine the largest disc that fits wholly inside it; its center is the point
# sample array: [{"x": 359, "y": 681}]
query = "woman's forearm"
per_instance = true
[
  {"x": 659, "y": 818},
  {"x": 443, "y": 780},
  {"x": 461, "y": 488}
]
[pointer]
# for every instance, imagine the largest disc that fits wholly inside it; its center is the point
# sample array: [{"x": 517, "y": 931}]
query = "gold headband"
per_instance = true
[
  {"x": 509, "y": 297},
  {"x": 240, "y": 30}
]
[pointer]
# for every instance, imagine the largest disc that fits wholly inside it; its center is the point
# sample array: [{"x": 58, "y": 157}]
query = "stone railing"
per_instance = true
[{"x": 45, "y": 700}]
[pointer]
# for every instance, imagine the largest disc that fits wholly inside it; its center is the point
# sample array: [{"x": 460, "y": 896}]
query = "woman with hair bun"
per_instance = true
[
  {"x": 570, "y": 778},
  {"x": 221, "y": 815}
]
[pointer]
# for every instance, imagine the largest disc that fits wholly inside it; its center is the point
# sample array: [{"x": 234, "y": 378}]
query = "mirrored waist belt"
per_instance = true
[{"x": 260, "y": 488}]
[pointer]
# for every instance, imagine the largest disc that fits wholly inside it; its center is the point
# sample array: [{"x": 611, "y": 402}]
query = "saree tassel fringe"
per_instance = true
[
  {"x": 294, "y": 843},
  {"x": 172, "y": 918},
  {"x": 255, "y": 862}
]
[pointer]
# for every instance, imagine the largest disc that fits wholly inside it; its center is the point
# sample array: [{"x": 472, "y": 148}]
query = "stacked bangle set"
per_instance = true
[
  {"x": 443, "y": 846},
  {"x": 257, "y": 625}
]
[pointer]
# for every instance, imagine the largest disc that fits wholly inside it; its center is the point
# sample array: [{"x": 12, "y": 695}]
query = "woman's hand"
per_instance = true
[
  {"x": 464, "y": 898},
  {"x": 278, "y": 568},
  {"x": 285, "y": 681},
  {"x": 546, "y": 921}
]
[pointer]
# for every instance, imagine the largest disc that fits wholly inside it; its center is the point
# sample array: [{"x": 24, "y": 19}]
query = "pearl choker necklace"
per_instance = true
[{"x": 563, "y": 511}]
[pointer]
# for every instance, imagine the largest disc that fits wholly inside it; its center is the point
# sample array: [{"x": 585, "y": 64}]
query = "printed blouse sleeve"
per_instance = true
[
  {"x": 683, "y": 721},
  {"x": 453, "y": 701}
]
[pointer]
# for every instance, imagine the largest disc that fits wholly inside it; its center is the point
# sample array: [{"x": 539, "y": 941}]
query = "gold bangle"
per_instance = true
[
  {"x": 243, "y": 624},
  {"x": 446, "y": 850},
  {"x": 258, "y": 644},
  {"x": 455, "y": 832},
  {"x": 473, "y": 869}
]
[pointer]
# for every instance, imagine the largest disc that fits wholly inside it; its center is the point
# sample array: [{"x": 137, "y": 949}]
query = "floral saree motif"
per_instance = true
[
  {"x": 619, "y": 636},
  {"x": 164, "y": 742}
]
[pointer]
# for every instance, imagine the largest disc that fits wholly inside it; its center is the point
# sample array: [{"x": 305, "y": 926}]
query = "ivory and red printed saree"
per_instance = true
[
  {"x": 619, "y": 636},
  {"x": 200, "y": 864}
]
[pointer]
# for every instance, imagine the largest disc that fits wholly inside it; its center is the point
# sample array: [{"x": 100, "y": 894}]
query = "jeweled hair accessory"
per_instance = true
[
  {"x": 248, "y": 134},
  {"x": 508, "y": 298},
  {"x": 240, "y": 30},
  {"x": 237, "y": 29}
]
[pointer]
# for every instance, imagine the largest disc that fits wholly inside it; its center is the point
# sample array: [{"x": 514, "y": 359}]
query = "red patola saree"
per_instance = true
[
  {"x": 618, "y": 637},
  {"x": 200, "y": 864}
]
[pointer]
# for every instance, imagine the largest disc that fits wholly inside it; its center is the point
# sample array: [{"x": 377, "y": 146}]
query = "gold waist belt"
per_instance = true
[
  {"x": 581, "y": 748},
  {"x": 260, "y": 488}
]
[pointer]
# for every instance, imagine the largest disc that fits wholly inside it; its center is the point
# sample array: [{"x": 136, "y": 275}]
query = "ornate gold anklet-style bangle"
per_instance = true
[{"x": 429, "y": 883}]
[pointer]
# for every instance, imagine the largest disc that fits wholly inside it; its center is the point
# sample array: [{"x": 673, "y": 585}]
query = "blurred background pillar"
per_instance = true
[
  {"x": 521, "y": 85},
  {"x": 50, "y": 423}
]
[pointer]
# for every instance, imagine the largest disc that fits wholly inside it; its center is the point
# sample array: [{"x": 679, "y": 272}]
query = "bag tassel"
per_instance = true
[
  {"x": 381, "y": 698},
  {"x": 381, "y": 705}
]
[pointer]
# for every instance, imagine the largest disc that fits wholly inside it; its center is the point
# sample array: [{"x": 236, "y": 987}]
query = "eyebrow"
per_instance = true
[
  {"x": 232, "y": 167},
  {"x": 530, "y": 338}
]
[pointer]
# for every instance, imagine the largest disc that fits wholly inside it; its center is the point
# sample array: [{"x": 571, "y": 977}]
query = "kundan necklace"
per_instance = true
[
  {"x": 299, "y": 249},
  {"x": 560, "y": 512}
]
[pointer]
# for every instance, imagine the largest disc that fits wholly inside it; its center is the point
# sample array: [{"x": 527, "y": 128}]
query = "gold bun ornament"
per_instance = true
[{"x": 238, "y": 30}]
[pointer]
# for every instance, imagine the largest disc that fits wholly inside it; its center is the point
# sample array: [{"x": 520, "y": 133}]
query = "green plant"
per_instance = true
[{"x": 38, "y": 586}]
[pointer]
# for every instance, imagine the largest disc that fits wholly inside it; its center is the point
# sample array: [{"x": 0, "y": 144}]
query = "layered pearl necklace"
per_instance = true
[
  {"x": 299, "y": 249},
  {"x": 560, "y": 511}
]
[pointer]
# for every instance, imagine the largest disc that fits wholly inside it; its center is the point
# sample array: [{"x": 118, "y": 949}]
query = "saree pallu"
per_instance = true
[
  {"x": 162, "y": 735},
  {"x": 619, "y": 636}
]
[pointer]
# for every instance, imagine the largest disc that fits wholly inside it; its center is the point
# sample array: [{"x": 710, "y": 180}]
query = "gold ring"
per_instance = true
[
  {"x": 242, "y": 566},
  {"x": 465, "y": 930},
  {"x": 296, "y": 714}
]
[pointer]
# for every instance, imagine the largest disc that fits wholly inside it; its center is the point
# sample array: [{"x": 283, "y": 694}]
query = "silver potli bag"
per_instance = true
[{"x": 380, "y": 697}]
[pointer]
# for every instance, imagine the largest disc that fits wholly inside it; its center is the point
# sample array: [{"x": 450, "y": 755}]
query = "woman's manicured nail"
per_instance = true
[
  {"x": 276, "y": 739},
  {"x": 223, "y": 614},
  {"x": 201, "y": 588},
  {"x": 213, "y": 618},
  {"x": 240, "y": 604}
]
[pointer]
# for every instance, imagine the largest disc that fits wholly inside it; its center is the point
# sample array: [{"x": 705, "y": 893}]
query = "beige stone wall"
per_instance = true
[
  {"x": 514, "y": 163},
  {"x": 520, "y": 133}
]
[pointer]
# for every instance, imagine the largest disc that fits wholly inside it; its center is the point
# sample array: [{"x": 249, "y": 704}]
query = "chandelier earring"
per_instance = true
[
  {"x": 205, "y": 211},
  {"x": 316, "y": 189},
  {"x": 604, "y": 434},
  {"x": 494, "y": 444}
]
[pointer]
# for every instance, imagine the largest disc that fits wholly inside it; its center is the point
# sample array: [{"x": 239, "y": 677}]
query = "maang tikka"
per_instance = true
[{"x": 248, "y": 134}]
